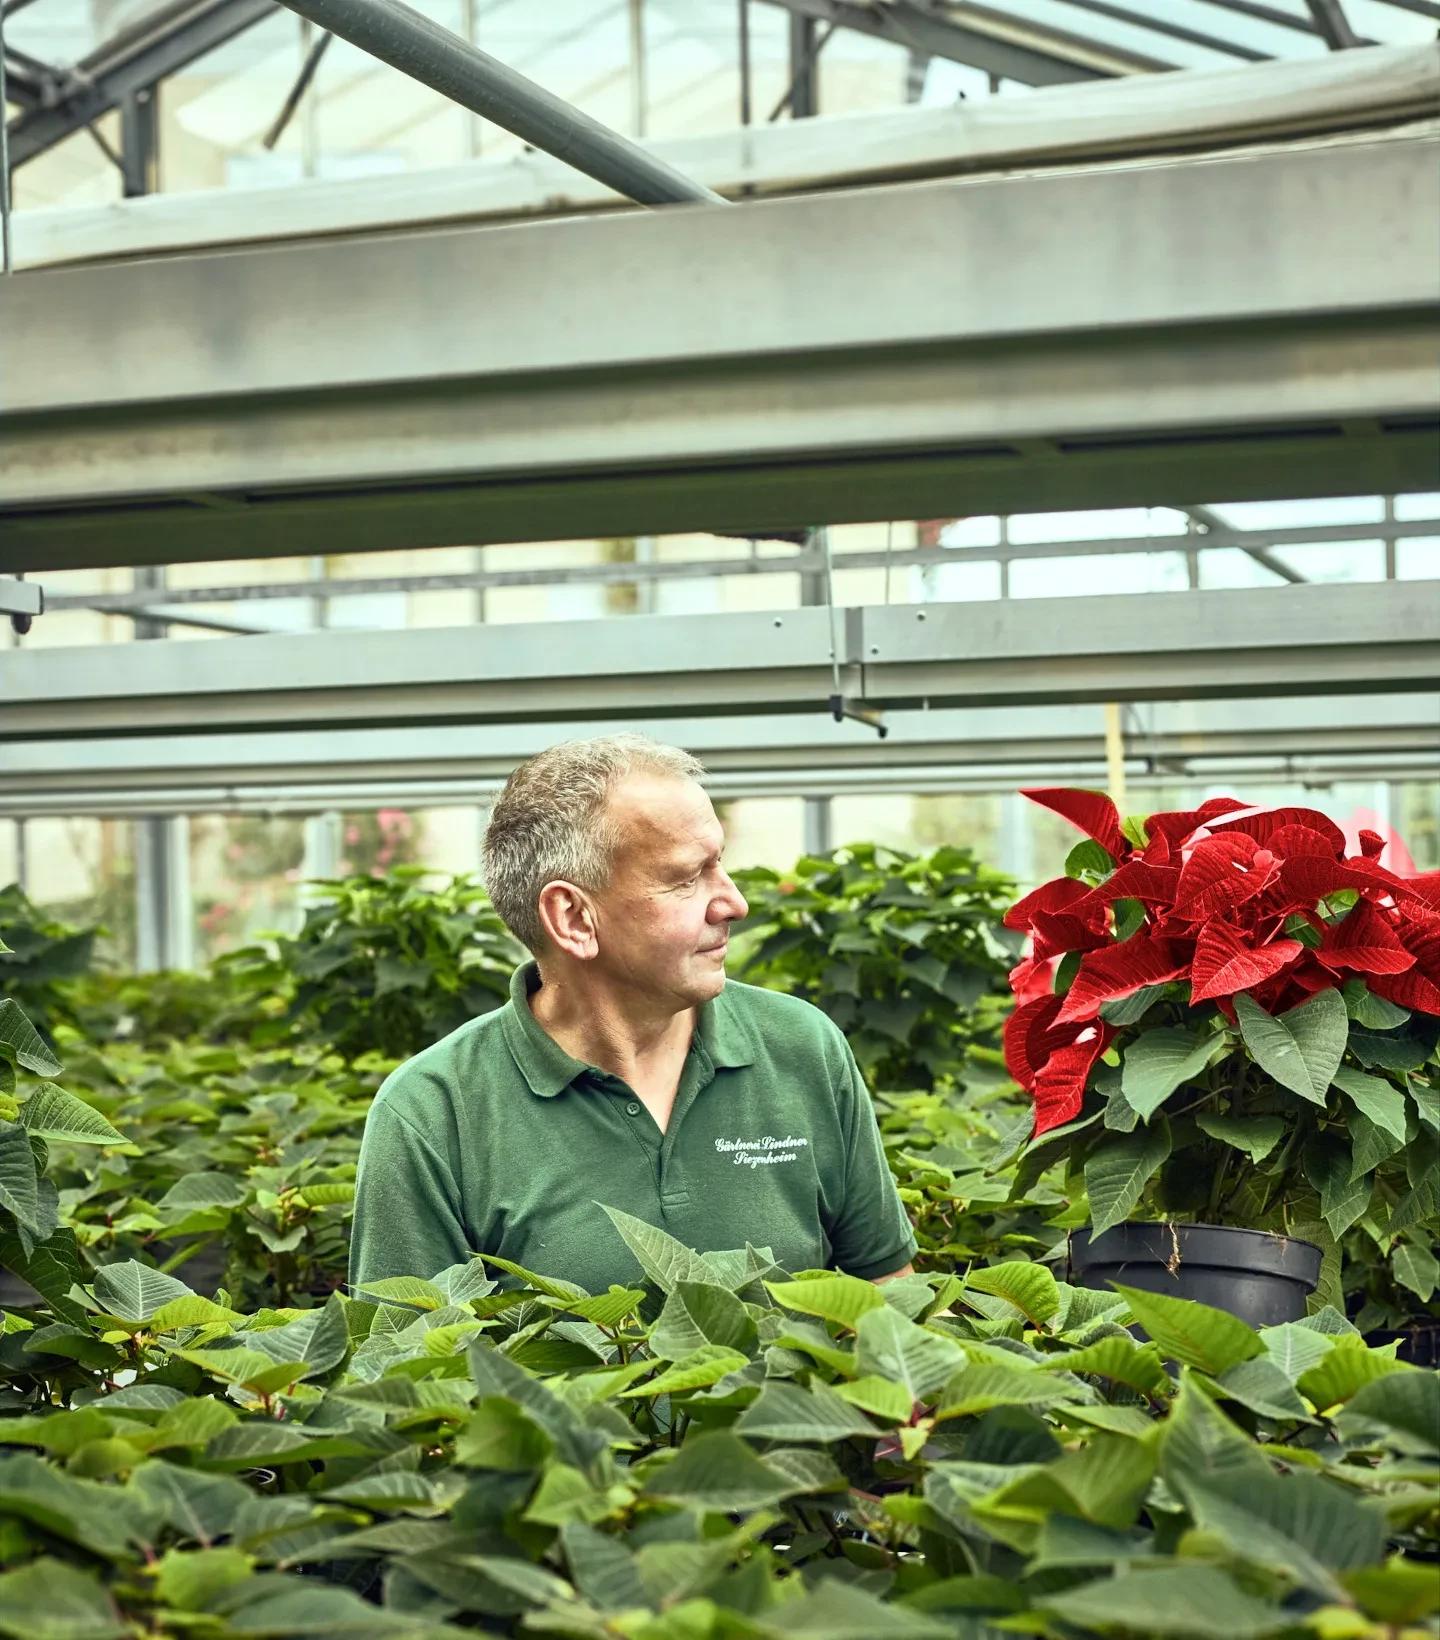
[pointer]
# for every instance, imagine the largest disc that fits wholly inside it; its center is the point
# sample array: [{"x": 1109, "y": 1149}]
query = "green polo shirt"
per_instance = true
[{"x": 495, "y": 1140}]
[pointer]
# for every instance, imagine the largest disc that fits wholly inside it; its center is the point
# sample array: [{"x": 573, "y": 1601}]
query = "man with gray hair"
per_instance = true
[{"x": 625, "y": 1071}]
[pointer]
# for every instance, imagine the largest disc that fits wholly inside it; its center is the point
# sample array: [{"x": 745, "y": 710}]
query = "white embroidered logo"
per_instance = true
[{"x": 764, "y": 1152}]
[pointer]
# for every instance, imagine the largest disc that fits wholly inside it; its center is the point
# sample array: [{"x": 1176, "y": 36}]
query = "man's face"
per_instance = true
[{"x": 663, "y": 920}]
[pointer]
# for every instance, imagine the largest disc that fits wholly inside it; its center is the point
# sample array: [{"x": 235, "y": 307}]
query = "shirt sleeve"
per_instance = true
[
  {"x": 871, "y": 1235},
  {"x": 407, "y": 1207}
]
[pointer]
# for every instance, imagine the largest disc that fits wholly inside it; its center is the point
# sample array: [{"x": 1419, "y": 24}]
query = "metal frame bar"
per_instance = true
[
  {"x": 980, "y": 37},
  {"x": 415, "y": 45},
  {"x": 1174, "y": 31},
  {"x": 1334, "y": 25},
  {"x": 1255, "y": 543},
  {"x": 1312, "y": 639},
  {"x": 302, "y": 772},
  {"x": 137, "y": 58}
]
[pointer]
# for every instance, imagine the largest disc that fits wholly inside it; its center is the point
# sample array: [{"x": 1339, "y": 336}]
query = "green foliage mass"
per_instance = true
[
  {"x": 731, "y": 1451},
  {"x": 907, "y": 955},
  {"x": 383, "y": 965}
]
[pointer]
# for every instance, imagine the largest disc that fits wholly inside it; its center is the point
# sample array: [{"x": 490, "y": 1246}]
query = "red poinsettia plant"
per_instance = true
[{"x": 1224, "y": 1015}]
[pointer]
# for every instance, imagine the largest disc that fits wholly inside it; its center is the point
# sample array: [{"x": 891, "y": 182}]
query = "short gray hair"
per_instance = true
[{"x": 548, "y": 823}]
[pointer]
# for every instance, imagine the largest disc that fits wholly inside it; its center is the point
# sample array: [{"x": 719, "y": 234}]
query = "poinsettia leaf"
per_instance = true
[
  {"x": 1380, "y": 1100},
  {"x": 21, "y": 1037},
  {"x": 1194, "y": 1334},
  {"x": 1370, "y": 1011},
  {"x": 1302, "y": 1048},
  {"x": 19, "y": 1190},
  {"x": 838, "y": 1298},
  {"x": 1117, "y": 1171},
  {"x": 1257, "y": 1136},
  {"x": 662, "y": 1258},
  {"x": 1193, "y": 1602},
  {"x": 786, "y": 1412},
  {"x": 1158, "y": 1061},
  {"x": 889, "y": 1346},
  {"x": 718, "y": 1471},
  {"x": 51, "y": 1113},
  {"x": 1370, "y": 1145},
  {"x": 1031, "y": 1288}
]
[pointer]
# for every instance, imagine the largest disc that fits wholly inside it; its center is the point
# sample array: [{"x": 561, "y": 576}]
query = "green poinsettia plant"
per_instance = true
[{"x": 1225, "y": 1018}]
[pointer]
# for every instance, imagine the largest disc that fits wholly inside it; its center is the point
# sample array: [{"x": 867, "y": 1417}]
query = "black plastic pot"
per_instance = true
[{"x": 1263, "y": 1279}]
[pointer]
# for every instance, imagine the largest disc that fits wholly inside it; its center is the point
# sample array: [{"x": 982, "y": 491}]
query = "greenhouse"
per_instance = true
[{"x": 720, "y": 819}]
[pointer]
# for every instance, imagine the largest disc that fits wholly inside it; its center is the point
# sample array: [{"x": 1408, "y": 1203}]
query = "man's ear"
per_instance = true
[{"x": 569, "y": 920}]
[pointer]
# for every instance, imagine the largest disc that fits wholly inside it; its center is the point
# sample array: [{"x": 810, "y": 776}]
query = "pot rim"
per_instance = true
[{"x": 1214, "y": 1246}]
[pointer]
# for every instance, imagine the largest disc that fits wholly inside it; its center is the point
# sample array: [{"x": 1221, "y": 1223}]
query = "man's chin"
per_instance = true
[{"x": 707, "y": 980}]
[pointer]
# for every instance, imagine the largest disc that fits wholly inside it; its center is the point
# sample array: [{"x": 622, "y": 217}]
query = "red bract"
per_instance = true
[
  {"x": 1119, "y": 970},
  {"x": 1364, "y": 942},
  {"x": 1058, "y": 895},
  {"x": 1223, "y": 964},
  {"x": 1135, "y": 880},
  {"x": 1221, "y": 873},
  {"x": 1262, "y": 824},
  {"x": 1222, "y": 890},
  {"x": 1093, "y": 812},
  {"x": 1059, "y": 1089}
]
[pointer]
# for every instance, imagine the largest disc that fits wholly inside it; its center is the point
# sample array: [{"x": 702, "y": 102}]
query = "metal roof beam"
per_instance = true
[
  {"x": 159, "y": 44},
  {"x": 980, "y": 38}
]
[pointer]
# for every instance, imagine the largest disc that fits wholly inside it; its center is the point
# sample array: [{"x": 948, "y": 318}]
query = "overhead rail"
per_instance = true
[
  {"x": 1144, "y": 116},
  {"x": 1293, "y": 640},
  {"x": 734, "y": 370},
  {"x": 1328, "y": 737},
  {"x": 146, "y": 603}
]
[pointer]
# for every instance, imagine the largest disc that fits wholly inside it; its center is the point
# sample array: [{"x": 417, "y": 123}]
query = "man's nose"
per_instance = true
[{"x": 730, "y": 905}]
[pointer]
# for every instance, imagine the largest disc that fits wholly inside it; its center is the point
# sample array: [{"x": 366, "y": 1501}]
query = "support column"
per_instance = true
[
  {"x": 817, "y": 825},
  {"x": 804, "y": 67},
  {"x": 164, "y": 922},
  {"x": 139, "y": 142},
  {"x": 164, "y": 906},
  {"x": 1017, "y": 838},
  {"x": 322, "y": 852}
]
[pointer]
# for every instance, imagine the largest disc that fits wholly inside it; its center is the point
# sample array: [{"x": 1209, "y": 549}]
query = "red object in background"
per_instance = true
[{"x": 1217, "y": 888}]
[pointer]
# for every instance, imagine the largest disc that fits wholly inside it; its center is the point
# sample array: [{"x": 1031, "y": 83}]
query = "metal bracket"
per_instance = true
[
  {"x": 21, "y": 600},
  {"x": 840, "y": 709}
]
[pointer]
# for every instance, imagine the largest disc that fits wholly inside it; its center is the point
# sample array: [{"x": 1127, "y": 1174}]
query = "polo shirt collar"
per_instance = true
[
  {"x": 549, "y": 1069},
  {"x": 543, "y": 1062}
]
